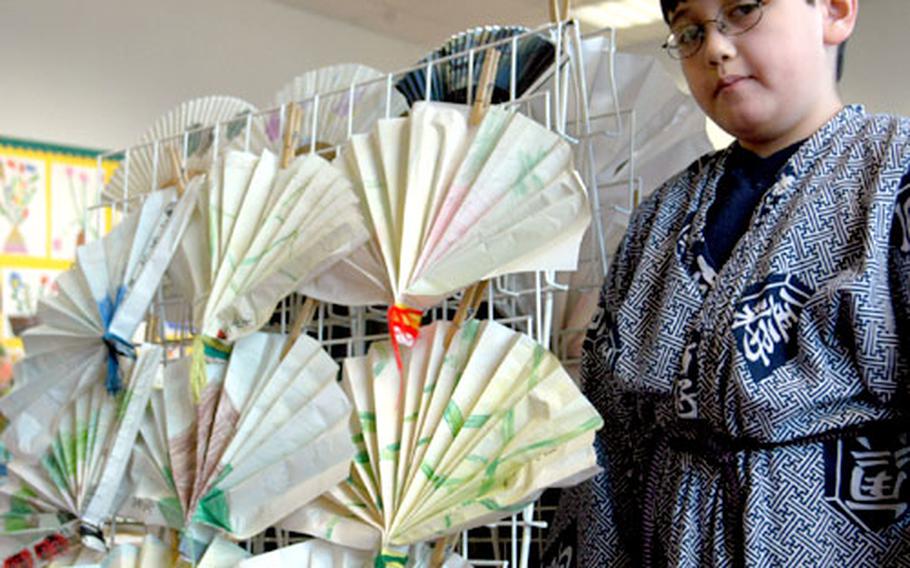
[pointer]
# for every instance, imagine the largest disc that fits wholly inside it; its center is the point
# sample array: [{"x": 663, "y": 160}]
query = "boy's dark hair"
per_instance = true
[{"x": 667, "y": 6}]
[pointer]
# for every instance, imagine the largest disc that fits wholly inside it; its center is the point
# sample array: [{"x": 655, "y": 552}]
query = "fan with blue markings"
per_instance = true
[{"x": 88, "y": 327}]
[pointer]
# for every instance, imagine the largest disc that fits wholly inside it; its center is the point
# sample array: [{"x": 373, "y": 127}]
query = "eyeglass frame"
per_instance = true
[{"x": 721, "y": 23}]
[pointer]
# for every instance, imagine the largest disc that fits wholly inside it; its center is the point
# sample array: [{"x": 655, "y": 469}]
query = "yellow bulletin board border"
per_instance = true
[{"x": 50, "y": 154}]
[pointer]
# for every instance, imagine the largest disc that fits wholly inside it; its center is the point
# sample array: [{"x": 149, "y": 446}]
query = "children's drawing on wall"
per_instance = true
[
  {"x": 22, "y": 288},
  {"x": 23, "y": 213},
  {"x": 72, "y": 189}
]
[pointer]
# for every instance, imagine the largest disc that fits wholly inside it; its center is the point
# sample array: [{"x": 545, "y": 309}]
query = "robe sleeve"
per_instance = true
[
  {"x": 899, "y": 273},
  {"x": 603, "y": 512}
]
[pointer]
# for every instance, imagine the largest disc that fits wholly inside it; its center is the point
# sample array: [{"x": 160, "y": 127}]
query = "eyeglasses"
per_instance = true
[{"x": 733, "y": 19}]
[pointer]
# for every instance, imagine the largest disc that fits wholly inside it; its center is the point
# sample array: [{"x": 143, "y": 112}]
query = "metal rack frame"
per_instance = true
[{"x": 510, "y": 300}]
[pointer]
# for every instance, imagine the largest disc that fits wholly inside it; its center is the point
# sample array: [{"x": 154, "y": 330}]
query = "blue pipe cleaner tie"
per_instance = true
[{"x": 116, "y": 346}]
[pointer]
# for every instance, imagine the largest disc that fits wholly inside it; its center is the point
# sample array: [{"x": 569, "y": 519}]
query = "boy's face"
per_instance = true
[{"x": 763, "y": 84}]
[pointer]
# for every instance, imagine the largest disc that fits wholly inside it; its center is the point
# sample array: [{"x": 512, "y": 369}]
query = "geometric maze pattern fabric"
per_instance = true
[{"x": 756, "y": 413}]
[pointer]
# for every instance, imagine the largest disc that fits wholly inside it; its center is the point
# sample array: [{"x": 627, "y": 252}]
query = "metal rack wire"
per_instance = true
[{"x": 523, "y": 302}]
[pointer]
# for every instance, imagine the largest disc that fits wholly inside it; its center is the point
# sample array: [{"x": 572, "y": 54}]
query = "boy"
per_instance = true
[{"x": 751, "y": 352}]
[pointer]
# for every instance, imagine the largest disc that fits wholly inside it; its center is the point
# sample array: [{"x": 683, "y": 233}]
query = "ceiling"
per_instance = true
[{"x": 427, "y": 23}]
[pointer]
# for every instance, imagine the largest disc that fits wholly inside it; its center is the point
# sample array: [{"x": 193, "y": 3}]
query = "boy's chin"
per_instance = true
[{"x": 755, "y": 127}]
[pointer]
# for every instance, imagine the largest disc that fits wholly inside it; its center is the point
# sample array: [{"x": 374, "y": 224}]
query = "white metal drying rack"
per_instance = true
[{"x": 565, "y": 82}]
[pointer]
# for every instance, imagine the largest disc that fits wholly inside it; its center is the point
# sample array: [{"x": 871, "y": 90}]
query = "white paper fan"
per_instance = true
[
  {"x": 451, "y": 204},
  {"x": 313, "y": 553},
  {"x": 669, "y": 131},
  {"x": 151, "y": 552},
  {"x": 317, "y": 553},
  {"x": 238, "y": 129},
  {"x": 484, "y": 427},
  {"x": 266, "y": 436},
  {"x": 339, "y": 114},
  {"x": 669, "y": 134},
  {"x": 88, "y": 326},
  {"x": 258, "y": 234},
  {"x": 78, "y": 484}
]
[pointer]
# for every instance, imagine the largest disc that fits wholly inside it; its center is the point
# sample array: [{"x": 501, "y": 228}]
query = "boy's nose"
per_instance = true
[{"x": 718, "y": 47}]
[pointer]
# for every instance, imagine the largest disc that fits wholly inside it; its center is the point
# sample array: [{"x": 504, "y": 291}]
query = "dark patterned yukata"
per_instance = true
[{"x": 751, "y": 360}]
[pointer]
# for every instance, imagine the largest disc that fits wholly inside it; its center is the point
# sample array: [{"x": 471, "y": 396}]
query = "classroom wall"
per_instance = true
[{"x": 96, "y": 73}]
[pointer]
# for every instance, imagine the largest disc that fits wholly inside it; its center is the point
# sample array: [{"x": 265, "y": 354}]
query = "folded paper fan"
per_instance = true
[
  {"x": 343, "y": 111},
  {"x": 88, "y": 326},
  {"x": 151, "y": 552},
  {"x": 196, "y": 119},
  {"x": 313, "y": 553},
  {"x": 669, "y": 134},
  {"x": 451, "y": 77},
  {"x": 267, "y": 436},
  {"x": 317, "y": 553},
  {"x": 78, "y": 485},
  {"x": 450, "y": 204},
  {"x": 258, "y": 234},
  {"x": 483, "y": 428}
]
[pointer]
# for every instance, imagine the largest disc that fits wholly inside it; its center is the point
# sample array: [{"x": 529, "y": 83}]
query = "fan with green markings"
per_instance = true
[
  {"x": 483, "y": 427},
  {"x": 449, "y": 203},
  {"x": 78, "y": 485},
  {"x": 278, "y": 437}
]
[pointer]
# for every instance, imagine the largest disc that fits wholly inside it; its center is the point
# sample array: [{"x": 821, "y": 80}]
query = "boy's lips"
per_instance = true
[{"x": 728, "y": 81}]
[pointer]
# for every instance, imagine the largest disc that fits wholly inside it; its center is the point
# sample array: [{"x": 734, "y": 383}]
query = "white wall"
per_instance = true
[
  {"x": 97, "y": 73},
  {"x": 876, "y": 72}
]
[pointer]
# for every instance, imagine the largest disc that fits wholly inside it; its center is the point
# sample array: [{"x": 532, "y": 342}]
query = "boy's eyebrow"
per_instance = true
[{"x": 679, "y": 12}]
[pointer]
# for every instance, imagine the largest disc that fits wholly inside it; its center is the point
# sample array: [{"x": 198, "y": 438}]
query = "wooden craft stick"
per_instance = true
[
  {"x": 327, "y": 151},
  {"x": 180, "y": 180},
  {"x": 302, "y": 318},
  {"x": 291, "y": 134},
  {"x": 559, "y": 10},
  {"x": 187, "y": 177},
  {"x": 472, "y": 297},
  {"x": 485, "y": 86},
  {"x": 439, "y": 550}
]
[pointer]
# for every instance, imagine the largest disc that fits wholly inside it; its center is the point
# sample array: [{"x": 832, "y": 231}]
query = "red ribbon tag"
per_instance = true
[{"x": 404, "y": 327}]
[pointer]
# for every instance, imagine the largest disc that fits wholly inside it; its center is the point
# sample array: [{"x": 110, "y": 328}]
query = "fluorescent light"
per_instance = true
[{"x": 620, "y": 13}]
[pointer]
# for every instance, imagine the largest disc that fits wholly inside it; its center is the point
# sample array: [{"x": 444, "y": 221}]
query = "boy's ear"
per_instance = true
[{"x": 840, "y": 19}]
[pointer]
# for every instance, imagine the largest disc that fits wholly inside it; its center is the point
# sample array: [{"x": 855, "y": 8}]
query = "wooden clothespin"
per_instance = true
[
  {"x": 485, "y": 86},
  {"x": 559, "y": 11},
  {"x": 291, "y": 134},
  {"x": 302, "y": 318}
]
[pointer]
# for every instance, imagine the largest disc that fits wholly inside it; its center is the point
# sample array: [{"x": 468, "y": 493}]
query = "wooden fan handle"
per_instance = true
[
  {"x": 472, "y": 297},
  {"x": 291, "y": 133},
  {"x": 485, "y": 86},
  {"x": 559, "y": 10},
  {"x": 302, "y": 318},
  {"x": 180, "y": 179},
  {"x": 439, "y": 550}
]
